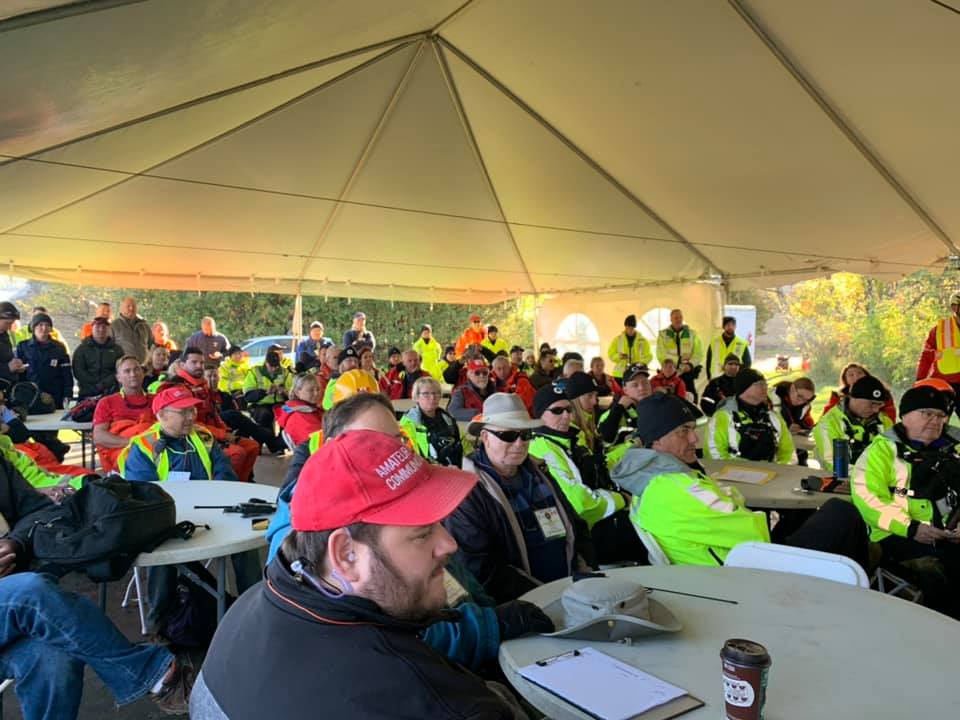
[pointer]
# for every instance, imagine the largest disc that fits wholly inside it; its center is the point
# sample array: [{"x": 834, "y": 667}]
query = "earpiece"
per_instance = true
[{"x": 351, "y": 556}]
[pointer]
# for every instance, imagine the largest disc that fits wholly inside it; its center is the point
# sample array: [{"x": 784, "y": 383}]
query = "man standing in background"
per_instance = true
[
  {"x": 131, "y": 332},
  {"x": 212, "y": 344}
]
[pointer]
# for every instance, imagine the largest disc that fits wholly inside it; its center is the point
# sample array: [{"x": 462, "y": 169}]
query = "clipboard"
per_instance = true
[
  {"x": 606, "y": 688},
  {"x": 746, "y": 475}
]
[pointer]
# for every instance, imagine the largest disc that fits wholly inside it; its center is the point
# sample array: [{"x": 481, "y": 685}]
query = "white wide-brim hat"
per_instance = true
[
  {"x": 505, "y": 411},
  {"x": 608, "y": 610}
]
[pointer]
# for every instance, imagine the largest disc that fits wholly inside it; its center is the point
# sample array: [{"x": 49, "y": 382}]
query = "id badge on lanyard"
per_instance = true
[
  {"x": 455, "y": 591},
  {"x": 550, "y": 522}
]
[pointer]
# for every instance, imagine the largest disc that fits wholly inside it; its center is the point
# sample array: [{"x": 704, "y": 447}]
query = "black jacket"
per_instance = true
[
  {"x": 286, "y": 651},
  {"x": 49, "y": 368},
  {"x": 6, "y": 355},
  {"x": 94, "y": 366},
  {"x": 20, "y": 505},
  {"x": 716, "y": 391},
  {"x": 489, "y": 547}
]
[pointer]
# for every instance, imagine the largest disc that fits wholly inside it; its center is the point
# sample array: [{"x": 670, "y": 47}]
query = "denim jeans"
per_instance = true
[
  {"x": 47, "y": 635},
  {"x": 162, "y": 585}
]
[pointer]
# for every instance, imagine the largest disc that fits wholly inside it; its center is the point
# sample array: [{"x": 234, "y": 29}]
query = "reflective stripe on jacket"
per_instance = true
[
  {"x": 836, "y": 424},
  {"x": 880, "y": 486},
  {"x": 948, "y": 346},
  {"x": 719, "y": 351},
  {"x": 691, "y": 349},
  {"x": 695, "y": 520},
  {"x": 638, "y": 353},
  {"x": 722, "y": 440},
  {"x": 591, "y": 505}
]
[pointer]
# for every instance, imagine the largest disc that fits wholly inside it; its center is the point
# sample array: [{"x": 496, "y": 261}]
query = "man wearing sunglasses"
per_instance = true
[
  {"x": 906, "y": 485},
  {"x": 857, "y": 419},
  {"x": 467, "y": 400},
  {"x": 516, "y": 528},
  {"x": 584, "y": 481}
]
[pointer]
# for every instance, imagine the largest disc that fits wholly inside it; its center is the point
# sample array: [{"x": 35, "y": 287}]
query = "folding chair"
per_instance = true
[
  {"x": 655, "y": 553},
  {"x": 799, "y": 561}
]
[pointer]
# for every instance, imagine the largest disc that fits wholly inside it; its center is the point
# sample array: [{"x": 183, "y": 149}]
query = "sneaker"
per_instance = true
[{"x": 174, "y": 696}]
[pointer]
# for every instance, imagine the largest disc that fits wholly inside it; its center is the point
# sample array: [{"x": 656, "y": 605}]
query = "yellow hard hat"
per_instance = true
[{"x": 352, "y": 383}]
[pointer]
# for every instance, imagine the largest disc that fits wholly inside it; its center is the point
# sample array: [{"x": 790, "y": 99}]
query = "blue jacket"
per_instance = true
[
  {"x": 473, "y": 641},
  {"x": 49, "y": 368},
  {"x": 182, "y": 458}
]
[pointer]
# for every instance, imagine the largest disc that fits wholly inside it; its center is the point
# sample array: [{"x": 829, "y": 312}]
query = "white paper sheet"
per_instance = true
[{"x": 601, "y": 685}]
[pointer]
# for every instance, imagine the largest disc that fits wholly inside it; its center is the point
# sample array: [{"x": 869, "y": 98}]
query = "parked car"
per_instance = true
[{"x": 256, "y": 348}]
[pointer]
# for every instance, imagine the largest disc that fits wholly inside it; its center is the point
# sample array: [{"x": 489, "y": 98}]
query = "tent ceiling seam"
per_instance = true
[
  {"x": 397, "y": 42},
  {"x": 451, "y": 17},
  {"x": 362, "y": 159},
  {"x": 478, "y": 155},
  {"x": 820, "y": 99},
  {"x": 358, "y": 203},
  {"x": 209, "y": 141},
  {"x": 50, "y": 14},
  {"x": 599, "y": 169}
]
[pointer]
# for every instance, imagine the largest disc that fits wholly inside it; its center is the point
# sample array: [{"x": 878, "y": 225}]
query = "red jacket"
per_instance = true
[
  {"x": 519, "y": 384},
  {"x": 396, "y": 383},
  {"x": 207, "y": 414},
  {"x": 673, "y": 384},
  {"x": 298, "y": 419},
  {"x": 606, "y": 385}
]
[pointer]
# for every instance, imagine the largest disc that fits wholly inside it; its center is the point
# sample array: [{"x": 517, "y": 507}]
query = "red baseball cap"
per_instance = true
[
  {"x": 474, "y": 318},
  {"x": 371, "y": 477},
  {"x": 477, "y": 364},
  {"x": 178, "y": 396}
]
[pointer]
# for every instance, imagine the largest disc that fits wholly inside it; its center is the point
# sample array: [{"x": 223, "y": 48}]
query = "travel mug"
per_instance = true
[
  {"x": 745, "y": 667},
  {"x": 841, "y": 459}
]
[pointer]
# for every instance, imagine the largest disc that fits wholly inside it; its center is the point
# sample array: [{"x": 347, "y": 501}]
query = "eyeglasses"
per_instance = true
[
  {"x": 936, "y": 415},
  {"x": 511, "y": 436},
  {"x": 559, "y": 410},
  {"x": 428, "y": 393}
]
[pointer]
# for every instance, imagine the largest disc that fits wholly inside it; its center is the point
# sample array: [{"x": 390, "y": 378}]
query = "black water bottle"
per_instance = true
[{"x": 841, "y": 458}]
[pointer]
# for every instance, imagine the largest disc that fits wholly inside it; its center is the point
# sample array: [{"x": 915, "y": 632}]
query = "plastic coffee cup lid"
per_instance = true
[{"x": 745, "y": 652}]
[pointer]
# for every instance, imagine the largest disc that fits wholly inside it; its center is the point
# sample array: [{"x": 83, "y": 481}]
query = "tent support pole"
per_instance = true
[
  {"x": 471, "y": 138},
  {"x": 362, "y": 160},
  {"x": 480, "y": 70},
  {"x": 208, "y": 141},
  {"x": 835, "y": 117}
]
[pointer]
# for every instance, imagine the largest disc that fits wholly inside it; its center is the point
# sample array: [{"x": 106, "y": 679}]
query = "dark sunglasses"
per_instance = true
[
  {"x": 560, "y": 410},
  {"x": 511, "y": 436}
]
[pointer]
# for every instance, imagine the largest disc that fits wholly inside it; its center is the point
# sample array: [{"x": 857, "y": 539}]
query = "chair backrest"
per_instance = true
[
  {"x": 800, "y": 561},
  {"x": 288, "y": 440},
  {"x": 655, "y": 553}
]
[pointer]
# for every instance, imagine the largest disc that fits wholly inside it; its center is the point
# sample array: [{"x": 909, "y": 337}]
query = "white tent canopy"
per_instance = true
[{"x": 441, "y": 151}]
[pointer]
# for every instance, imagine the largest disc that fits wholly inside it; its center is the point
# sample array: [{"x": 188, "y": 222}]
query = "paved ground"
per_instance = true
[{"x": 97, "y": 701}]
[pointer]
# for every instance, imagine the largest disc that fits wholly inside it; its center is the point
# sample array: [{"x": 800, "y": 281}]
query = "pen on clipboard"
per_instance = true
[{"x": 554, "y": 658}]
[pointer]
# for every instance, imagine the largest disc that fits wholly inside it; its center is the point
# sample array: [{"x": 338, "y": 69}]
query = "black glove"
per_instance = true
[{"x": 519, "y": 617}]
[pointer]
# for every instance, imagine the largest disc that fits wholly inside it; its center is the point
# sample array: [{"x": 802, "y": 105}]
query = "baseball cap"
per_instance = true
[
  {"x": 474, "y": 318},
  {"x": 732, "y": 358},
  {"x": 579, "y": 383},
  {"x": 359, "y": 314},
  {"x": 349, "y": 352},
  {"x": 426, "y": 326},
  {"x": 869, "y": 388},
  {"x": 100, "y": 321},
  {"x": 371, "y": 477},
  {"x": 516, "y": 348},
  {"x": 316, "y": 324},
  {"x": 659, "y": 414},
  {"x": 477, "y": 364},
  {"x": 631, "y": 372},
  {"x": 177, "y": 397},
  {"x": 8, "y": 311}
]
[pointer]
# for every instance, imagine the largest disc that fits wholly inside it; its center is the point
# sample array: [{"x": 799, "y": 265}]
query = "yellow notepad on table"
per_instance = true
[{"x": 741, "y": 474}]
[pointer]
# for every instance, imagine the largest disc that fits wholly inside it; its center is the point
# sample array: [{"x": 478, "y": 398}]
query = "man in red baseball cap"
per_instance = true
[
  {"x": 177, "y": 449},
  {"x": 467, "y": 399},
  {"x": 336, "y": 623}
]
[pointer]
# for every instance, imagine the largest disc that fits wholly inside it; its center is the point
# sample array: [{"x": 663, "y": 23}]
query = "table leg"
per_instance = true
[
  {"x": 221, "y": 587},
  {"x": 102, "y": 596}
]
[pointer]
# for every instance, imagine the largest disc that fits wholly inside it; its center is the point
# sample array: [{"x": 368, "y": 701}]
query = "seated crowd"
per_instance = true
[{"x": 403, "y": 542}]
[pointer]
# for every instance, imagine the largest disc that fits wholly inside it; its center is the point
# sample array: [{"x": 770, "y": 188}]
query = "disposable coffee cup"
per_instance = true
[{"x": 745, "y": 667}]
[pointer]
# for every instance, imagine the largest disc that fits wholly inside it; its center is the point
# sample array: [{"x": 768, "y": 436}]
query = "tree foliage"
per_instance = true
[
  {"x": 244, "y": 315},
  {"x": 853, "y": 318}
]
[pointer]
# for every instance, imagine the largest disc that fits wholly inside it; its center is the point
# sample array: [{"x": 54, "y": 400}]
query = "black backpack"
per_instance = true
[{"x": 102, "y": 528}]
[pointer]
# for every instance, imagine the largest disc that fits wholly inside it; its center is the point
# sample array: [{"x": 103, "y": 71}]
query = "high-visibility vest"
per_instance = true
[
  {"x": 637, "y": 353},
  {"x": 689, "y": 342},
  {"x": 948, "y": 346},
  {"x": 836, "y": 424},
  {"x": 719, "y": 351},
  {"x": 146, "y": 442}
]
